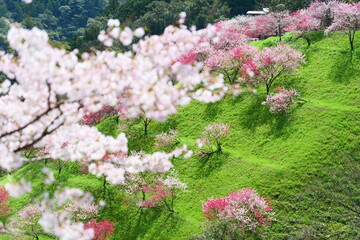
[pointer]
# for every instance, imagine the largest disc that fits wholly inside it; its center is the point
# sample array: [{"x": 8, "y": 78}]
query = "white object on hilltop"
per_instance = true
[{"x": 263, "y": 12}]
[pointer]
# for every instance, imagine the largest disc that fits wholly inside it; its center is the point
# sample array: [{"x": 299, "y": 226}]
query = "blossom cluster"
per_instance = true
[
  {"x": 282, "y": 100},
  {"x": 214, "y": 135},
  {"x": 158, "y": 193},
  {"x": 164, "y": 140},
  {"x": 102, "y": 229},
  {"x": 94, "y": 118},
  {"x": 245, "y": 208},
  {"x": 156, "y": 189},
  {"x": 4, "y": 202},
  {"x": 56, "y": 216}
]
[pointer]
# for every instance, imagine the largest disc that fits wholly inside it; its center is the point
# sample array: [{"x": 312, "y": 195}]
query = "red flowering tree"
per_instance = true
[
  {"x": 102, "y": 229},
  {"x": 159, "y": 195},
  {"x": 96, "y": 117},
  {"x": 4, "y": 202},
  {"x": 162, "y": 191},
  {"x": 240, "y": 211}
]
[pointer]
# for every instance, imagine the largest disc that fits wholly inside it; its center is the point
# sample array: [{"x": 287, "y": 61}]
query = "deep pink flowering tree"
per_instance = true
[
  {"x": 4, "y": 202},
  {"x": 213, "y": 208},
  {"x": 158, "y": 195},
  {"x": 347, "y": 20},
  {"x": 102, "y": 229},
  {"x": 281, "y": 101},
  {"x": 94, "y": 118},
  {"x": 213, "y": 136},
  {"x": 243, "y": 210},
  {"x": 271, "y": 63}
]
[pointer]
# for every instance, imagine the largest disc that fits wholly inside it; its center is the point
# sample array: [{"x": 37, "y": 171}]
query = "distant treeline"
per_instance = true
[{"x": 61, "y": 18}]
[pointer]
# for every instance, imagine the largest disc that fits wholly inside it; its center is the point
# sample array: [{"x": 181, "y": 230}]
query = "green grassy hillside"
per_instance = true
[{"x": 292, "y": 158}]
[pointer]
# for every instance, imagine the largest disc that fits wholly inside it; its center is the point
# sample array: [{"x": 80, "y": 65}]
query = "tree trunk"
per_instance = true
[
  {"x": 267, "y": 89},
  {"x": 351, "y": 39},
  {"x": 308, "y": 41},
  {"x": 145, "y": 128},
  {"x": 219, "y": 148}
]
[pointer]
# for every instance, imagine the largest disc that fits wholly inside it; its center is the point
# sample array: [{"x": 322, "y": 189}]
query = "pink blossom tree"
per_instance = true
[
  {"x": 26, "y": 221},
  {"x": 323, "y": 11},
  {"x": 303, "y": 23},
  {"x": 270, "y": 24},
  {"x": 159, "y": 195},
  {"x": 346, "y": 19},
  {"x": 102, "y": 229},
  {"x": 94, "y": 118},
  {"x": 281, "y": 101},
  {"x": 213, "y": 136},
  {"x": 271, "y": 63},
  {"x": 217, "y": 54},
  {"x": 165, "y": 140},
  {"x": 232, "y": 62},
  {"x": 162, "y": 191},
  {"x": 243, "y": 210}
]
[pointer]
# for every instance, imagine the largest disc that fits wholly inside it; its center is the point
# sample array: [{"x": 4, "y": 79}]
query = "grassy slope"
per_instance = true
[{"x": 278, "y": 155}]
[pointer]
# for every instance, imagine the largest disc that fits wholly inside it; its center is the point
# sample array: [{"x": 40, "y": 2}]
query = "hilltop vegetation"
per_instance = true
[{"x": 61, "y": 19}]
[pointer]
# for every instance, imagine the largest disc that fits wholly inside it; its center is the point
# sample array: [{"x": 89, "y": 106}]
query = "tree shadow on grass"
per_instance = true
[
  {"x": 154, "y": 223},
  {"x": 210, "y": 163},
  {"x": 257, "y": 114},
  {"x": 170, "y": 123},
  {"x": 212, "y": 110},
  {"x": 343, "y": 68}
]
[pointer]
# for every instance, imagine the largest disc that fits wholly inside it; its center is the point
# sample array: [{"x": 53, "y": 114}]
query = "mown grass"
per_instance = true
[{"x": 281, "y": 156}]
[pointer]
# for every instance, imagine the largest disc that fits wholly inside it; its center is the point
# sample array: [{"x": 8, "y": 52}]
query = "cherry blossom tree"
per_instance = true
[
  {"x": 271, "y": 63},
  {"x": 213, "y": 136},
  {"x": 102, "y": 229},
  {"x": 346, "y": 19},
  {"x": 26, "y": 222},
  {"x": 304, "y": 23},
  {"x": 217, "y": 53},
  {"x": 323, "y": 11},
  {"x": 281, "y": 101},
  {"x": 165, "y": 140},
  {"x": 273, "y": 23}
]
